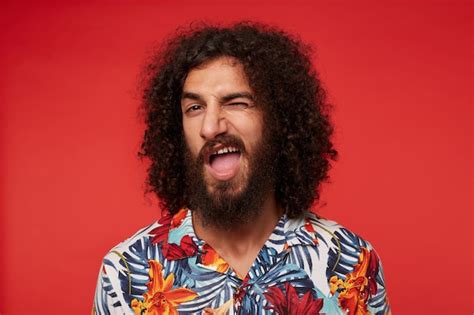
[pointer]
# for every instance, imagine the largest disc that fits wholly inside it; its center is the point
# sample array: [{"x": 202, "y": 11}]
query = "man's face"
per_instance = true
[
  {"x": 226, "y": 143},
  {"x": 219, "y": 116}
]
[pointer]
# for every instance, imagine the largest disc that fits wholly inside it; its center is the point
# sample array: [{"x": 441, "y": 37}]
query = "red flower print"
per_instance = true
[
  {"x": 310, "y": 228},
  {"x": 290, "y": 303},
  {"x": 372, "y": 272},
  {"x": 160, "y": 234},
  {"x": 186, "y": 248},
  {"x": 178, "y": 218},
  {"x": 167, "y": 222},
  {"x": 241, "y": 291}
]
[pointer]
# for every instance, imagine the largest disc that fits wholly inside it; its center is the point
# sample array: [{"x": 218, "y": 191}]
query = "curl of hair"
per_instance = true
[{"x": 286, "y": 85}]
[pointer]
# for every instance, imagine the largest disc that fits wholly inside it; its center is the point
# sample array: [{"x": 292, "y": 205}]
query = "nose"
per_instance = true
[{"x": 213, "y": 124}]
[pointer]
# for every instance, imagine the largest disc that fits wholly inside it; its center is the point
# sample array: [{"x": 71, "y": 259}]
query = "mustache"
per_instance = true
[{"x": 225, "y": 140}]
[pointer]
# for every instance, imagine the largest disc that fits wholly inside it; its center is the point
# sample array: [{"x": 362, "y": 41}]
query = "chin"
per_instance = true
[{"x": 231, "y": 187}]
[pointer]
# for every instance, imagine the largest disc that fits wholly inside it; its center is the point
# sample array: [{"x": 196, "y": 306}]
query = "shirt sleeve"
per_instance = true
[
  {"x": 108, "y": 298},
  {"x": 378, "y": 303}
]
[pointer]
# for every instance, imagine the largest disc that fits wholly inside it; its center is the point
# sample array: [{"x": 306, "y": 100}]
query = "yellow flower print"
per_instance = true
[
  {"x": 212, "y": 259},
  {"x": 356, "y": 288},
  {"x": 161, "y": 299}
]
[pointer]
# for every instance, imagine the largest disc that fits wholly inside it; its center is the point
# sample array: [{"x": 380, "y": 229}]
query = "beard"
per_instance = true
[{"x": 229, "y": 204}]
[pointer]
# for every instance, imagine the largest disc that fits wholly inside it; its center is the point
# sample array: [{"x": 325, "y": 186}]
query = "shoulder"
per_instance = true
[
  {"x": 123, "y": 263},
  {"x": 335, "y": 233},
  {"x": 132, "y": 256},
  {"x": 350, "y": 261},
  {"x": 345, "y": 249},
  {"x": 142, "y": 239},
  {"x": 338, "y": 250}
]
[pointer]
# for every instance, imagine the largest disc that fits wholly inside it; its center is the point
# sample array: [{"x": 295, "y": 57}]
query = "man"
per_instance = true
[{"x": 238, "y": 135}]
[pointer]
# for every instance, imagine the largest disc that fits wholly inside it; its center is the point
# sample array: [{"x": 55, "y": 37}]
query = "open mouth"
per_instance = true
[{"x": 224, "y": 162}]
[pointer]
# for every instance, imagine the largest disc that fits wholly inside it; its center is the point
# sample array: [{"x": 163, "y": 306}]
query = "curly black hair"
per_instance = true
[{"x": 279, "y": 70}]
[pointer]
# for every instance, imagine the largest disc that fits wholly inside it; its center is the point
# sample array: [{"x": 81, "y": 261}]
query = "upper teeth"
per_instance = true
[{"x": 226, "y": 150}]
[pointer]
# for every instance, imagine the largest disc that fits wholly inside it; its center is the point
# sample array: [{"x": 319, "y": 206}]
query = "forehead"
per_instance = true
[{"x": 218, "y": 76}]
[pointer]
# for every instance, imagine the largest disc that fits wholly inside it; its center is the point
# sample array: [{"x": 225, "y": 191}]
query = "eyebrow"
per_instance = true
[
  {"x": 232, "y": 96},
  {"x": 190, "y": 95},
  {"x": 223, "y": 99}
]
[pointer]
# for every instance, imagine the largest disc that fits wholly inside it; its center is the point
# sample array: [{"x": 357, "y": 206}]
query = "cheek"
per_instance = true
[
  {"x": 192, "y": 140},
  {"x": 255, "y": 131},
  {"x": 192, "y": 144},
  {"x": 249, "y": 123}
]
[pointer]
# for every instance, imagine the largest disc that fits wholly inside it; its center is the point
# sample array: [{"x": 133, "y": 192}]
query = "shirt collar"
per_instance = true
[{"x": 287, "y": 233}]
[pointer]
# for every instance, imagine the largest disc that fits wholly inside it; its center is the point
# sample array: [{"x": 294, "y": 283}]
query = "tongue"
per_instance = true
[{"x": 225, "y": 162}]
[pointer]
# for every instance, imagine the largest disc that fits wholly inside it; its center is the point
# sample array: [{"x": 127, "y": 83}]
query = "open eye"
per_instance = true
[{"x": 193, "y": 108}]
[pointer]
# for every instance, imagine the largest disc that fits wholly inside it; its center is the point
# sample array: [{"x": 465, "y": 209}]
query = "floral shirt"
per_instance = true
[{"x": 307, "y": 266}]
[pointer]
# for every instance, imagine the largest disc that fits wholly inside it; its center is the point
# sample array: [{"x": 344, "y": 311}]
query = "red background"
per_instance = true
[{"x": 399, "y": 73}]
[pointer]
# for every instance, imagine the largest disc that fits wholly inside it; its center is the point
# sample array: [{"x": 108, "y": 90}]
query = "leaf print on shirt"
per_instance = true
[
  {"x": 355, "y": 275},
  {"x": 177, "y": 280},
  {"x": 310, "y": 228},
  {"x": 160, "y": 297}
]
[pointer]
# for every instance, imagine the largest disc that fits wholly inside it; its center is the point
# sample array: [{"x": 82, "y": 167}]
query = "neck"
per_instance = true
[{"x": 241, "y": 241}]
